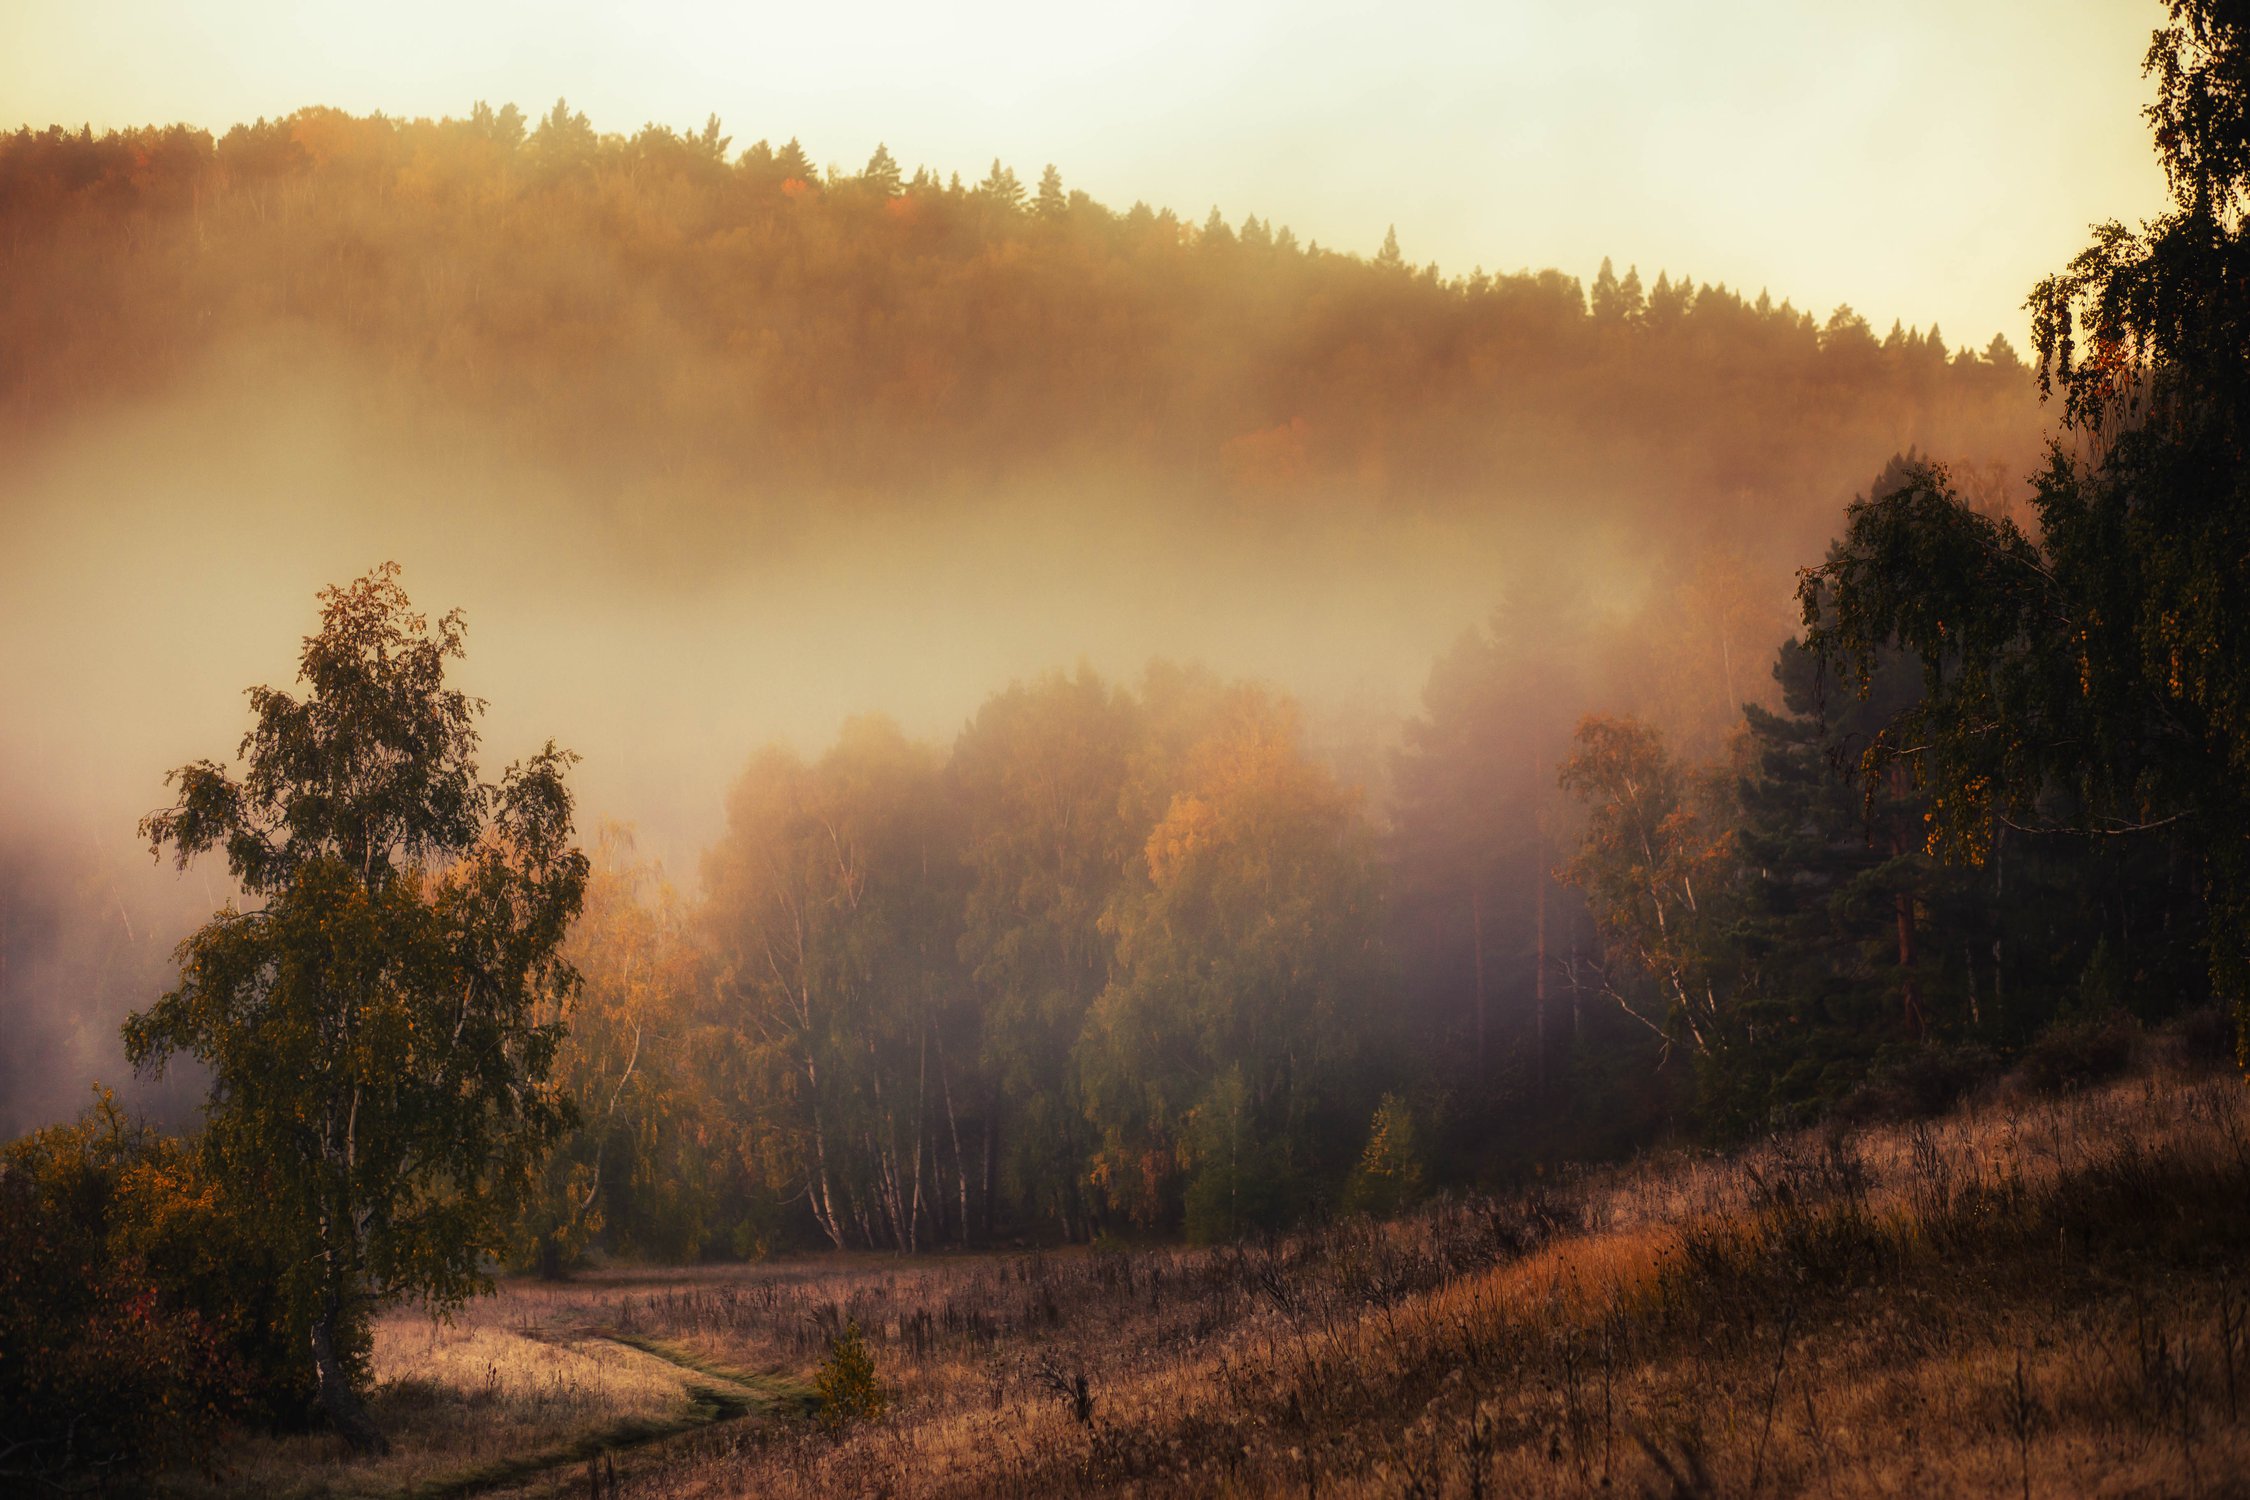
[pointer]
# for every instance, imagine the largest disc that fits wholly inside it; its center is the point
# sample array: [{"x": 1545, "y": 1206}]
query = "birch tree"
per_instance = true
[{"x": 380, "y": 1012}]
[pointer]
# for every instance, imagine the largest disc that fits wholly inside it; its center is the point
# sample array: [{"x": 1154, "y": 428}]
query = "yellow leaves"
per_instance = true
[
  {"x": 1274, "y": 462},
  {"x": 2176, "y": 656},
  {"x": 1961, "y": 823},
  {"x": 1188, "y": 827},
  {"x": 1247, "y": 783}
]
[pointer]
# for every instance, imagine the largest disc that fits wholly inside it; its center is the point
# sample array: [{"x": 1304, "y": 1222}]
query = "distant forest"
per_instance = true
[
  {"x": 1125, "y": 955},
  {"x": 668, "y": 318},
  {"x": 1141, "y": 956}
]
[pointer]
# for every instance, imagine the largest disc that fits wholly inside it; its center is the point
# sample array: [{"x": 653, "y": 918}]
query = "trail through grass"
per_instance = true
[{"x": 723, "y": 1394}]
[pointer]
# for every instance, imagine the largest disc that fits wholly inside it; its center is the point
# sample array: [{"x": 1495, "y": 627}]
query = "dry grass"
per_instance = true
[
  {"x": 514, "y": 1380},
  {"x": 2032, "y": 1296}
]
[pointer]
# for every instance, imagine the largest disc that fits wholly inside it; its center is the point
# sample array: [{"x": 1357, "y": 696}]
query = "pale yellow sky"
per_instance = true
[{"x": 1921, "y": 159}]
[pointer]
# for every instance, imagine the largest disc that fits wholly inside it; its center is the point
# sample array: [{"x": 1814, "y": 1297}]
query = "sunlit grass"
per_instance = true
[
  {"x": 494, "y": 1388},
  {"x": 2033, "y": 1291}
]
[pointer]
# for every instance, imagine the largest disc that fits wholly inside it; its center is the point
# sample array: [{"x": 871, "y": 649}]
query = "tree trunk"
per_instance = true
[
  {"x": 921, "y": 1122},
  {"x": 953, "y": 1127},
  {"x": 1903, "y": 905},
  {"x": 338, "y": 1400},
  {"x": 1999, "y": 930},
  {"x": 824, "y": 1198},
  {"x": 1577, "y": 1036},
  {"x": 1476, "y": 934},
  {"x": 991, "y": 1157},
  {"x": 1539, "y": 975}
]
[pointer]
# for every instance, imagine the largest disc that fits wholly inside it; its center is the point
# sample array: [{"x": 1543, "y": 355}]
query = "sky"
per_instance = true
[{"x": 1923, "y": 160}]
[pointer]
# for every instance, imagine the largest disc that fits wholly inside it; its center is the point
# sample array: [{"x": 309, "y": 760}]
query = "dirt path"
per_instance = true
[{"x": 717, "y": 1395}]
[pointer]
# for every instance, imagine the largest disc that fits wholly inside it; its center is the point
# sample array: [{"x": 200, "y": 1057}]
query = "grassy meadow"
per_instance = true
[{"x": 2038, "y": 1294}]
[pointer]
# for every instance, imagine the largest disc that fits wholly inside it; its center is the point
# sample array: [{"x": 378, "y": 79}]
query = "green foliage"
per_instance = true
[
  {"x": 1912, "y": 1082},
  {"x": 1848, "y": 937},
  {"x": 2081, "y": 1050},
  {"x": 1390, "y": 1174},
  {"x": 833, "y": 912},
  {"x": 629, "y": 1176},
  {"x": 1239, "y": 1179},
  {"x": 1118, "y": 952},
  {"x": 1789, "y": 917},
  {"x": 1041, "y": 775},
  {"x": 2093, "y": 674},
  {"x": 887, "y": 333},
  {"x": 1657, "y": 866},
  {"x": 381, "y": 1025},
  {"x": 135, "y": 1311},
  {"x": 850, "y": 1390},
  {"x": 1246, "y": 978}
]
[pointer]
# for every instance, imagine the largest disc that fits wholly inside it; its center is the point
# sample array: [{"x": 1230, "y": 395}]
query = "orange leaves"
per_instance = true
[
  {"x": 1274, "y": 462},
  {"x": 1186, "y": 828}
]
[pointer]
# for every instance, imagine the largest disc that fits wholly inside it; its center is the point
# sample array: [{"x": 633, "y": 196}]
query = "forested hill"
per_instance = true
[{"x": 666, "y": 310}]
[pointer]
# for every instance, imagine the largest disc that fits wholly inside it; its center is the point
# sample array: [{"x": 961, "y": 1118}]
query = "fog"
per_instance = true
[
  {"x": 714, "y": 452},
  {"x": 163, "y": 556}
]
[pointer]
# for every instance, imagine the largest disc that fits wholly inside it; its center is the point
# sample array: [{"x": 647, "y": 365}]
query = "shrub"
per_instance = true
[
  {"x": 124, "y": 1335},
  {"x": 1916, "y": 1083},
  {"x": 2203, "y": 1037},
  {"x": 850, "y": 1391},
  {"x": 1389, "y": 1176},
  {"x": 2078, "y": 1053},
  {"x": 1242, "y": 1177}
]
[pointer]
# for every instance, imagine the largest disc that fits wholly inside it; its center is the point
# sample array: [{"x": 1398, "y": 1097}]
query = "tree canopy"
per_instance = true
[
  {"x": 380, "y": 1019},
  {"x": 2089, "y": 673},
  {"x": 743, "y": 337}
]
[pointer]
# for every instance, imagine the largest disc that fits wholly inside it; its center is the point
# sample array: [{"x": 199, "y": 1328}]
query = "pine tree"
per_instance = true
[
  {"x": 794, "y": 165},
  {"x": 1001, "y": 186},
  {"x": 1050, "y": 202},
  {"x": 1389, "y": 257},
  {"x": 881, "y": 172}
]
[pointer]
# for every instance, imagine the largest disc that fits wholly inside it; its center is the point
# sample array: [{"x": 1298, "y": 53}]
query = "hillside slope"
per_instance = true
[{"x": 2037, "y": 1294}]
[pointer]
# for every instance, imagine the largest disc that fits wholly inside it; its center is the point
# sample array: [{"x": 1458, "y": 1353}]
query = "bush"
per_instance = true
[
  {"x": 2079, "y": 1053},
  {"x": 850, "y": 1391},
  {"x": 1389, "y": 1176},
  {"x": 1916, "y": 1083},
  {"x": 2202, "y": 1038},
  {"x": 128, "y": 1329},
  {"x": 1242, "y": 1178}
]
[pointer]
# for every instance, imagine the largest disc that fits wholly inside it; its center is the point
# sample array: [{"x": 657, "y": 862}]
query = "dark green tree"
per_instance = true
[
  {"x": 564, "y": 141},
  {"x": 881, "y": 172},
  {"x": 1389, "y": 257},
  {"x": 1051, "y": 200},
  {"x": 381, "y": 1016},
  {"x": 1002, "y": 186},
  {"x": 1222, "y": 1060},
  {"x": 794, "y": 165},
  {"x": 1041, "y": 776},
  {"x": 1849, "y": 936},
  {"x": 2093, "y": 672},
  {"x": 710, "y": 143}
]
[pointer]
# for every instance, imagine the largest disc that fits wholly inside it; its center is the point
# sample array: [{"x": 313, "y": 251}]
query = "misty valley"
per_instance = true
[{"x": 676, "y": 822}]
